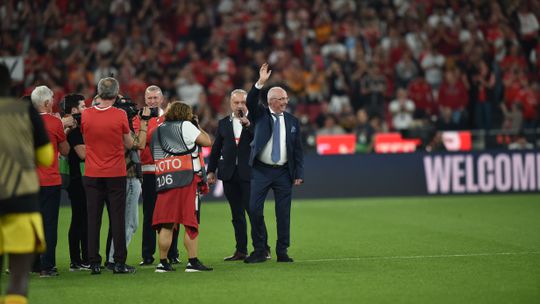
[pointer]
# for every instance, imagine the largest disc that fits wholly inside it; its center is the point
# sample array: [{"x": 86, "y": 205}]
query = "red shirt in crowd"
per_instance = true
[
  {"x": 421, "y": 93},
  {"x": 103, "y": 130},
  {"x": 50, "y": 176},
  {"x": 529, "y": 102},
  {"x": 454, "y": 96},
  {"x": 512, "y": 86}
]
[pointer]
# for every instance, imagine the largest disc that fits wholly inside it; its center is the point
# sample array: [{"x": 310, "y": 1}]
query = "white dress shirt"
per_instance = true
[{"x": 266, "y": 154}]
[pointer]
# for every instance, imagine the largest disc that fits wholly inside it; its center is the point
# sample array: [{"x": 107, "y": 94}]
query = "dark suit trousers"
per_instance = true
[
  {"x": 49, "y": 201},
  {"x": 237, "y": 193},
  {"x": 78, "y": 229},
  {"x": 98, "y": 190},
  {"x": 263, "y": 179},
  {"x": 149, "y": 195}
]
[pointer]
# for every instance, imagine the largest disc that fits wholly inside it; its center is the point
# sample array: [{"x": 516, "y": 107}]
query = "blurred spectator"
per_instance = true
[
  {"x": 188, "y": 89},
  {"x": 373, "y": 87},
  {"x": 453, "y": 95},
  {"x": 528, "y": 27},
  {"x": 432, "y": 63},
  {"x": 436, "y": 143},
  {"x": 406, "y": 70},
  {"x": 520, "y": 143},
  {"x": 402, "y": 109},
  {"x": 337, "y": 84},
  {"x": 330, "y": 127},
  {"x": 513, "y": 119},
  {"x": 315, "y": 84},
  {"x": 483, "y": 82},
  {"x": 445, "y": 122},
  {"x": 528, "y": 98},
  {"x": 364, "y": 132},
  {"x": 421, "y": 93}
]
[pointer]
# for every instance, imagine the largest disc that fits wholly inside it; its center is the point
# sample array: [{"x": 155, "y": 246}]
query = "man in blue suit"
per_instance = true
[
  {"x": 229, "y": 157},
  {"x": 277, "y": 163}
]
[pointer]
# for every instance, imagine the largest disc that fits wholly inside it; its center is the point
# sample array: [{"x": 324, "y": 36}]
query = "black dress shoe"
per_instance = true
[
  {"x": 255, "y": 257},
  {"x": 96, "y": 269},
  {"x": 237, "y": 256},
  {"x": 284, "y": 258}
]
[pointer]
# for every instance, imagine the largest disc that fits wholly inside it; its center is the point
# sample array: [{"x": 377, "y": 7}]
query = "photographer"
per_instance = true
[
  {"x": 73, "y": 106},
  {"x": 133, "y": 172},
  {"x": 153, "y": 98},
  {"x": 180, "y": 178},
  {"x": 106, "y": 134}
]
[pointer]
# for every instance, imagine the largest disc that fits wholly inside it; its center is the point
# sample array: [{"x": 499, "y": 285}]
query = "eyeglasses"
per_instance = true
[{"x": 281, "y": 99}]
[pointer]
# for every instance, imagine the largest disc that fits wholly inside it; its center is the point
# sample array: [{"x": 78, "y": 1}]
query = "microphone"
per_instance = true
[{"x": 240, "y": 115}]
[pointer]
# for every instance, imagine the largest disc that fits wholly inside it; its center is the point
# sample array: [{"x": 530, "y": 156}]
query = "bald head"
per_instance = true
[{"x": 277, "y": 99}]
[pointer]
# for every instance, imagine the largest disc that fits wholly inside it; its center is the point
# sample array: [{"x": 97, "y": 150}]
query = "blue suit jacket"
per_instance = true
[
  {"x": 225, "y": 151},
  {"x": 261, "y": 117}
]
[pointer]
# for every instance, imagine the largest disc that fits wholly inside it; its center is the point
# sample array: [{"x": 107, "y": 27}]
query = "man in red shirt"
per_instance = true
[
  {"x": 49, "y": 177},
  {"x": 153, "y": 98},
  {"x": 106, "y": 133},
  {"x": 421, "y": 93},
  {"x": 528, "y": 99}
]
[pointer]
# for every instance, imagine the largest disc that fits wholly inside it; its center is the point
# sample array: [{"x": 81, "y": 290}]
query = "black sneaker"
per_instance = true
[
  {"x": 175, "y": 261},
  {"x": 48, "y": 273},
  {"x": 109, "y": 266},
  {"x": 121, "y": 268},
  {"x": 164, "y": 267},
  {"x": 148, "y": 262},
  {"x": 85, "y": 267},
  {"x": 78, "y": 267},
  {"x": 197, "y": 267},
  {"x": 95, "y": 269}
]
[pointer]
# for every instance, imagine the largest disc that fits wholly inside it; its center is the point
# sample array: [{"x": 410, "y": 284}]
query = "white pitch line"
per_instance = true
[{"x": 421, "y": 256}]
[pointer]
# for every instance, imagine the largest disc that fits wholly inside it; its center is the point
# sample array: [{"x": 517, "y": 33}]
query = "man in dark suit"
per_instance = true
[
  {"x": 277, "y": 163},
  {"x": 230, "y": 156}
]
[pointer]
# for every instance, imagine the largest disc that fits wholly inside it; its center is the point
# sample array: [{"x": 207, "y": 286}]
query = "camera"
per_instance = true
[
  {"x": 131, "y": 110},
  {"x": 125, "y": 104},
  {"x": 77, "y": 118}
]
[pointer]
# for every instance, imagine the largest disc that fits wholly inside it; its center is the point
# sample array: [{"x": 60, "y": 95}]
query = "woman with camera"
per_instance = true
[{"x": 179, "y": 181}]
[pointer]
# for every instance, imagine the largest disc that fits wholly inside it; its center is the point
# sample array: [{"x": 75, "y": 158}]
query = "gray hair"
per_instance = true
[
  {"x": 40, "y": 95},
  {"x": 108, "y": 88},
  {"x": 271, "y": 91},
  {"x": 238, "y": 91},
  {"x": 153, "y": 88}
]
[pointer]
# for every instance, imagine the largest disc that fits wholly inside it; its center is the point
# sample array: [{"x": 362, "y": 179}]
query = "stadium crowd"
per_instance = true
[{"x": 349, "y": 66}]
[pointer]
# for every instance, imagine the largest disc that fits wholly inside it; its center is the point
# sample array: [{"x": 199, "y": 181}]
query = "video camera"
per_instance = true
[{"x": 125, "y": 103}]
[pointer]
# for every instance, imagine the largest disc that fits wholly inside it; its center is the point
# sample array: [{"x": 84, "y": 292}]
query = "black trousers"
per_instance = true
[
  {"x": 99, "y": 189},
  {"x": 237, "y": 193},
  {"x": 78, "y": 229},
  {"x": 49, "y": 202},
  {"x": 149, "y": 195}
]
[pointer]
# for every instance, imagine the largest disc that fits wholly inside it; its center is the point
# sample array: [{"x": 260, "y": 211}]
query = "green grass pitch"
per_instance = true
[{"x": 460, "y": 249}]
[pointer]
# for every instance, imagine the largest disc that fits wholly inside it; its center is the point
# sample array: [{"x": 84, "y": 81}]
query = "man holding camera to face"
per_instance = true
[
  {"x": 106, "y": 135},
  {"x": 153, "y": 98},
  {"x": 73, "y": 106}
]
